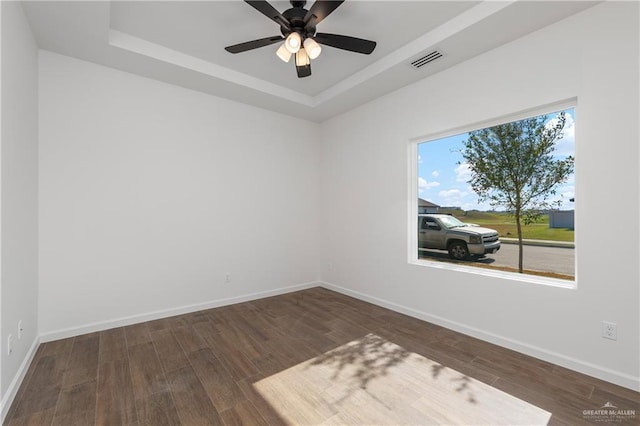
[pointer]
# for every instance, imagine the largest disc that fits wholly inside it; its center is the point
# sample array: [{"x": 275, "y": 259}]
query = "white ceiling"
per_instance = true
[{"x": 182, "y": 42}]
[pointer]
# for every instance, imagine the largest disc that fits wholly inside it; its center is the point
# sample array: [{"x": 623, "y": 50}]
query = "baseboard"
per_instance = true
[
  {"x": 150, "y": 316},
  {"x": 574, "y": 364},
  {"x": 12, "y": 391}
]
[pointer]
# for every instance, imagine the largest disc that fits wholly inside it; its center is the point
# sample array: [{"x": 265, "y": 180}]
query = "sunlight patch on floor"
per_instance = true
[{"x": 375, "y": 382}]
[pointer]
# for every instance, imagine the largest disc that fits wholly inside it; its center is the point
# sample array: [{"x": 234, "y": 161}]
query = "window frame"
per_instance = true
[{"x": 412, "y": 201}]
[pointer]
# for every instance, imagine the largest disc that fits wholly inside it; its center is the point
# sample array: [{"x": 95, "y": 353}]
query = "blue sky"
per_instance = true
[{"x": 444, "y": 182}]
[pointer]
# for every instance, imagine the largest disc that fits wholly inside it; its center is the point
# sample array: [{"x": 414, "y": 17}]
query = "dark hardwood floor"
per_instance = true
[{"x": 198, "y": 369}]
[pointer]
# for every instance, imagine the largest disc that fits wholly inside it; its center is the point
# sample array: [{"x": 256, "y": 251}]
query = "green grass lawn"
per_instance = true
[{"x": 505, "y": 224}]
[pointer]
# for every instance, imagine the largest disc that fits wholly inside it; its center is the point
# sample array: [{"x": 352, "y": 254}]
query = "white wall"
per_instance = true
[
  {"x": 150, "y": 194},
  {"x": 592, "y": 56},
  {"x": 18, "y": 194}
]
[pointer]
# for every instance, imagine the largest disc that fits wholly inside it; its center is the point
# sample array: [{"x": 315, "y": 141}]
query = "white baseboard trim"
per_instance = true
[
  {"x": 150, "y": 316},
  {"x": 603, "y": 373},
  {"x": 12, "y": 391}
]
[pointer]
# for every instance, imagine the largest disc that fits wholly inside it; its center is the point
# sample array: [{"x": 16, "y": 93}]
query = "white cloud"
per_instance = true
[
  {"x": 452, "y": 193},
  {"x": 435, "y": 173},
  {"x": 423, "y": 185},
  {"x": 452, "y": 197},
  {"x": 457, "y": 197},
  {"x": 564, "y": 194},
  {"x": 419, "y": 159},
  {"x": 463, "y": 198},
  {"x": 463, "y": 172},
  {"x": 567, "y": 189},
  {"x": 566, "y": 145}
]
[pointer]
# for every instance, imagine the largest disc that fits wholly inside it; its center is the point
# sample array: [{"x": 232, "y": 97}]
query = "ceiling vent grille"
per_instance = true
[{"x": 429, "y": 57}]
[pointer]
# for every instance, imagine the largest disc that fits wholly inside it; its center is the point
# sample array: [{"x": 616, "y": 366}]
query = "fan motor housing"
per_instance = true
[{"x": 296, "y": 16}]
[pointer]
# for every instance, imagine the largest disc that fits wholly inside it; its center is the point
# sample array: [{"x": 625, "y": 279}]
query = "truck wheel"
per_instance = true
[{"x": 458, "y": 250}]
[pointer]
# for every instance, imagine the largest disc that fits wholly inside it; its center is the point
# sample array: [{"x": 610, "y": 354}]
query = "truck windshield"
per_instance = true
[{"x": 451, "y": 222}]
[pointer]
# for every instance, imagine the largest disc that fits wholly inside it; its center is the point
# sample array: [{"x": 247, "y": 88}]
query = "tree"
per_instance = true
[{"x": 512, "y": 165}]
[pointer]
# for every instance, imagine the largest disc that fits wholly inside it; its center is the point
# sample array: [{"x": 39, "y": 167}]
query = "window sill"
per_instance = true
[{"x": 496, "y": 273}]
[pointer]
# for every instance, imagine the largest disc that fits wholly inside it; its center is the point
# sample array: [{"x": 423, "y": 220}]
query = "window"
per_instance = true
[
  {"x": 428, "y": 222},
  {"x": 483, "y": 191}
]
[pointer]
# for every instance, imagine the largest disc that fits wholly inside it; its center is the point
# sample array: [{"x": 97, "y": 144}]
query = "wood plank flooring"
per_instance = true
[{"x": 202, "y": 368}]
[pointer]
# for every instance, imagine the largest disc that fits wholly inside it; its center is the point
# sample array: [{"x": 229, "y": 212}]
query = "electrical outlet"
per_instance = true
[
  {"x": 20, "y": 330},
  {"x": 609, "y": 330},
  {"x": 10, "y": 344},
  {"x": 227, "y": 278}
]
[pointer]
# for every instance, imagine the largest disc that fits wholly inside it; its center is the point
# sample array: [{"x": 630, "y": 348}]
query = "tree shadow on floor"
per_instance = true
[
  {"x": 365, "y": 359},
  {"x": 372, "y": 357}
]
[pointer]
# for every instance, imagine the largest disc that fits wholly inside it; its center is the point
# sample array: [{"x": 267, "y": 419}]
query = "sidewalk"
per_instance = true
[{"x": 545, "y": 243}]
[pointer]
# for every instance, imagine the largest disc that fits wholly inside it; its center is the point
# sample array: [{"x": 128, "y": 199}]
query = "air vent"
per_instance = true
[{"x": 429, "y": 57}]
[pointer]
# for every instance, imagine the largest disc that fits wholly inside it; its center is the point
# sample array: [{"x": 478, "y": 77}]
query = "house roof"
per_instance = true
[{"x": 425, "y": 203}]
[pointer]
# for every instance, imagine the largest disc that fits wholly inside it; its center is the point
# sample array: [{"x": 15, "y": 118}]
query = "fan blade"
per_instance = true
[
  {"x": 320, "y": 10},
  {"x": 304, "y": 70},
  {"x": 270, "y": 12},
  {"x": 352, "y": 44},
  {"x": 253, "y": 44}
]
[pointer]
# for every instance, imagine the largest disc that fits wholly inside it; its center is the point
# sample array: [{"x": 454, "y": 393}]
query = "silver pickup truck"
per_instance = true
[{"x": 461, "y": 240}]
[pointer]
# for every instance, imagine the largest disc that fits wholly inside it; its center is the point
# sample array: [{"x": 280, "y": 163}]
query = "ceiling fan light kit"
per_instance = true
[
  {"x": 302, "y": 59},
  {"x": 283, "y": 53},
  {"x": 298, "y": 28},
  {"x": 313, "y": 49},
  {"x": 293, "y": 42}
]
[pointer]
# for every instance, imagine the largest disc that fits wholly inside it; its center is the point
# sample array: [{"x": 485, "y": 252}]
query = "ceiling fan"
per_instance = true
[{"x": 298, "y": 28}]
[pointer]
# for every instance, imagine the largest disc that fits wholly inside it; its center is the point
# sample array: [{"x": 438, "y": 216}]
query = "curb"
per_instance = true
[{"x": 544, "y": 243}]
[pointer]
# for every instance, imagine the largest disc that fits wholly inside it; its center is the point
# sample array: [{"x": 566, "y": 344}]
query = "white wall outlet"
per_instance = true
[
  {"x": 10, "y": 344},
  {"x": 609, "y": 330},
  {"x": 227, "y": 278},
  {"x": 20, "y": 330}
]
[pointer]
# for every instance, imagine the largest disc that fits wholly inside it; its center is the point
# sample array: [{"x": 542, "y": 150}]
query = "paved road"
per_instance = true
[
  {"x": 547, "y": 259},
  {"x": 537, "y": 258}
]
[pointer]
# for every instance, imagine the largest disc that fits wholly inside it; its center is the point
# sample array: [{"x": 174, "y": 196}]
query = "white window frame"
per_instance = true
[{"x": 412, "y": 199}]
